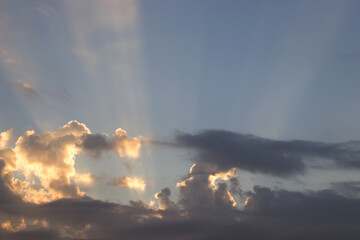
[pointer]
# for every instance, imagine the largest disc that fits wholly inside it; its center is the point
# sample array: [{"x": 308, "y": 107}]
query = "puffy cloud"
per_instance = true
[
  {"x": 125, "y": 146},
  {"x": 227, "y": 150},
  {"x": 49, "y": 158},
  {"x": 200, "y": 191},
  {"x": 129, "y": 182},
  {"x": 73, "y": 128},
  {"x": 120, "y": 142},
  {"x": 164, "y": 199}
]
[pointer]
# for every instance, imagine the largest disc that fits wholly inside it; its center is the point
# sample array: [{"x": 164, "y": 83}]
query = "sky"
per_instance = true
[{"x": 169, "y": 119}]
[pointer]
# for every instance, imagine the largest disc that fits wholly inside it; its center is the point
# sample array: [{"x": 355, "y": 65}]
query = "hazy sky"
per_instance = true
[{"x": 197, "y": 112}]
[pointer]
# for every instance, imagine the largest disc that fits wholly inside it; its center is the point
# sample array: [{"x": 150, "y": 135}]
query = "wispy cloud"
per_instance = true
[
  {"x": 6, "y": 57},
  {"x": 28, "y": 90},
  {"x": 44, "y": 10}
]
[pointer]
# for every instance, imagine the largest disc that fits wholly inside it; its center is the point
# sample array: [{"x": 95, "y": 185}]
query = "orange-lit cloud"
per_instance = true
[
  {"x": 225, "y": 176},
  {"x": 11, "y": 227},
  {"x": 9, "y": 156},
  {"x": 126, "y": 147},
  {"x": 129, "y": 182},
  {"x": 84, "y": 178},
  {"x": 50, "y": 157},
  {"x": 47, "y": 161},
  {"x": 41, "y": 223},
  {"x": 5, "y": 137}
]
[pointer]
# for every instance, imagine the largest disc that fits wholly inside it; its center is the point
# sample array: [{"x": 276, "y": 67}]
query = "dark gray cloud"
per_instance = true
[
  {"x": 260, "y": 155},
  {"x": 269, "y": 215},
  {"x": 318, "y": 207},
  {"x": 95, "y": 144},
  {"x": 31, "y": 235}
]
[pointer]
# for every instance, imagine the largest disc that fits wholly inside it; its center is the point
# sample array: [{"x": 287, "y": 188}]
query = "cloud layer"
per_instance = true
[{"x": 206, "y": 207}]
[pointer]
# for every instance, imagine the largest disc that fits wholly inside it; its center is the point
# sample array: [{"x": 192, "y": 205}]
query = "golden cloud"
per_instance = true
[
  {"x": 126, "y": 147},
  {"x": 49, "y": 158},
  {"x": 5, "y": 137},
  {"x": 129, "y": 182}
]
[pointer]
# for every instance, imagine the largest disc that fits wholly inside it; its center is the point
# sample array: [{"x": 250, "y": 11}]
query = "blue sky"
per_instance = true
[
  {"x": 224, "y": 65},
  {"x": 280, "y": 70}
]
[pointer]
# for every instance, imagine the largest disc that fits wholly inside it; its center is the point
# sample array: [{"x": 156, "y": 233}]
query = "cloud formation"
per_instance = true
[
  {"x": 164, "y": 200},
  {"x": 95, "y": 144},
  {"x": 269, "y": 214},
  {"x": 229, "y": 150},
  {"x": 49, "y": 158},
  {"x": 201, "y": 192},
  {"x": 129, "y": 182},
  {"x": 205, "y": 208}
]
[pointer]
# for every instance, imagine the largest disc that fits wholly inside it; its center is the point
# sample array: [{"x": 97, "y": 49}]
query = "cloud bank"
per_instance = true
[{"x": 206, "y": 207}]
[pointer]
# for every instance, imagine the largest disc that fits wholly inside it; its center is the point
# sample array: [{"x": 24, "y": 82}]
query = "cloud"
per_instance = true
[
  {"x": 28, "y": 90},
  {"x": 164, "y": 200},
  {"x": 347, "y": 188},
  {"x": 50, "y": 156},
  {"x": 269, "y": 214},
  {"x": 7, "y": 195},
  {"x": 5, "y": 137},
  {"x": 129, "y": 182},
  {"x": 201, "y": 192},
  {"x": 6, "y": 57},
  {"x": 44, "y": 10},
  {"x": 205, "y": 208},
  {"x": 95, "y": 144},
  {"x": 311, "y": 207},
  {"x": 7, "y": 225},
  {"x": 229, "y": 150},
  {"x": 49, "y": 159},
  {"x": 84, "y": 178}
]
